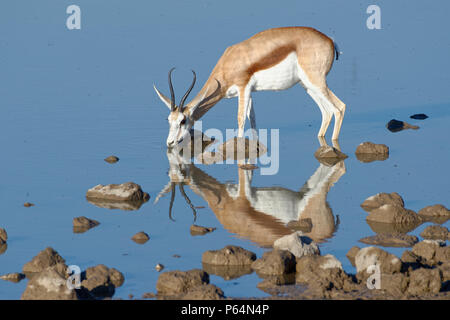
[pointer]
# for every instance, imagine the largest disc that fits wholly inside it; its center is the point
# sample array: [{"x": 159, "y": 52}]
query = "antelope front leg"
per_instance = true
[{"x": 242, "y": 112}]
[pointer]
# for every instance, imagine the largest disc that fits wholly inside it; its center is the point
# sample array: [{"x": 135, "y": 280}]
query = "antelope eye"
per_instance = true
[{"x": 183, "y": 121}]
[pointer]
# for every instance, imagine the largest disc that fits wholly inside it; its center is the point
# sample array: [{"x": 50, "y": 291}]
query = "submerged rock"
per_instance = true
[
  {"x": 368, "y": 152},
  {"x": 118, "y": 192},
  {"x": 298, "y": 244},
  {"x": 28, "y": 204},
  {"x": 380, "y": 199},
  {"x": 121, "y": 205},
  {"x": 199, "y": 230},
  {"x": 230, "y": 255},
  {"x": 419, "y": 116},
  {"x": 396, "y": 126},
  {"x": 275, "y": 262},
  {"x": 436, "y": 233},
  {"x": 140, "y": 237},
  {"x": 83, "y": 224},
  {"x": 3, "y": 236},
  {"x": 391, "y": 240},
  {"x": 427, "y": 250}
]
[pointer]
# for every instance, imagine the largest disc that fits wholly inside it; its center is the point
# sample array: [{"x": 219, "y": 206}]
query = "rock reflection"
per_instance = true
[{"x": 261, "y": 214}]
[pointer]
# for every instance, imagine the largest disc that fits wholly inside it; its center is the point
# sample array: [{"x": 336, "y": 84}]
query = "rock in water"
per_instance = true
[
  {"x": 368, "y": 152},
  {"x": 329, "y": 156},
  {"x": 419, "y": 116},
  {"x": 435, "y": 233},
  {"x": 140, "y": 237},
  {"x": 275, "y": 262},
  {"x": 178, "y": 282},
  {"x": 48, "y": 285},
  {"x": 396, "y": 126},
  {"x": 380, "y": 199},
  {"x": 230, "y": 255},
  {"x": 298, "y": 244},
  {"x": 111, "y": 159},
  {"x": 118, "y": 192},
  {"x": 199, "y": 230},
  {"x": 83, "y": 224},
  {"x": 44, "y": 259}
]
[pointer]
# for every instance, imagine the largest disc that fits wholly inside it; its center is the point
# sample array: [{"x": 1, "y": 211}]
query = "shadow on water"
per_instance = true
[{"x": 260, "y": 214}]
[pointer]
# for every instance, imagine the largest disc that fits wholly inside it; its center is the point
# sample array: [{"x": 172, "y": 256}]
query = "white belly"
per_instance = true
[{"x": 279, "y": 77}]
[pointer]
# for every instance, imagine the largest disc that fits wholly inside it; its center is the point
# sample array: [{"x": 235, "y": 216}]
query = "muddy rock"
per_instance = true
[
  {"x": 323, "y": 273},
  {"x": 410, "y": 257},
  {"x": 390, "y": 228},
  {"x": 445, "y": 271},
  {"x": 396, "y": 126},
  {"x": 389, "y": 213},
  {"x": 199, "y": 230},
  {"x": 298, "y": 244},
  {"x": 204, "y": 292},
  {"x": 49, "y": 284},
  {"x": 373, "y": 256},
  {"x": 172, "y": 283},
  {"x": 140, "y": 237},
  {"x": 101, "y": 281},
  {"x": 329, "y": 155},
  {"x": 3, "y": 236},
  {"x": 28, "y": 204},
  {"x": 304, "y": 225},
  {"x": 83, "y": 224},
  {"x": 426, "y": 250},
  {"x": 351, "y": 254},
  {"x": 437, "y": 213},
  {"x": 43, "y": 260},
  {"x": 395, "y": 284},
  {"x": 425, "y": 281},
  {"x": 111, "y": 159},
  {"x": 380, "y": 199},
  {"x": 230, "y": 255},
  {"x": 118, "y": 192},
  {"x": 275, "y": 262},
  {"x": 443, "y": 254},
  {"x": 13, "y": 277},
  {"x": 368, "y": 152},
  {"x": 227, "y": 272},
  {"x": 274, "y": 284},
  {"x": 435, "y": 233},
  {"x": 391, "y": 240}
]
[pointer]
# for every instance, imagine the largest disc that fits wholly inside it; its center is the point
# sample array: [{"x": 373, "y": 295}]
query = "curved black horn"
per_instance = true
[
  {"x": 187, "y": 92},
  {"x": 172, "y": 93}
]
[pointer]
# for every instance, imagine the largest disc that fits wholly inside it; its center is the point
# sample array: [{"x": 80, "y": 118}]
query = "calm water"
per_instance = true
[{"x": 71, "y": 98}]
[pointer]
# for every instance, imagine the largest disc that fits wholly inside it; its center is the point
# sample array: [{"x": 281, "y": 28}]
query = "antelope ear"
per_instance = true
[{"x": 163, "y": 98}]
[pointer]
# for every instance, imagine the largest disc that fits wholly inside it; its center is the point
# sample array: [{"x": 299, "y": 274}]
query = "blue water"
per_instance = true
[{"x": 71, "y": 98}]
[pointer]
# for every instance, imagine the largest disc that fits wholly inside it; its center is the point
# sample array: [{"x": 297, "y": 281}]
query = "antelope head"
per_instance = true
[{"x": 181, "y": 117}]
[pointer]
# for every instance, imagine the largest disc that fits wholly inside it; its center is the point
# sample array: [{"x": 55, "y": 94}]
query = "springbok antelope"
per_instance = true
[
  {"x": 260, "y": 214},
  {"x": 273, "y": 59}
]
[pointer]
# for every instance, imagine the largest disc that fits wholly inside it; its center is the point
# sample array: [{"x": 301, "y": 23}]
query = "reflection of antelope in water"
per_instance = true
[{"x": 260, "y": 214}]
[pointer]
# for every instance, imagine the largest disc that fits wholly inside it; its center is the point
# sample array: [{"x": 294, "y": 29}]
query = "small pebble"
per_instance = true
[
  {"x": 111, "y": 159},
  {"x": 28, "y": 204}
]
